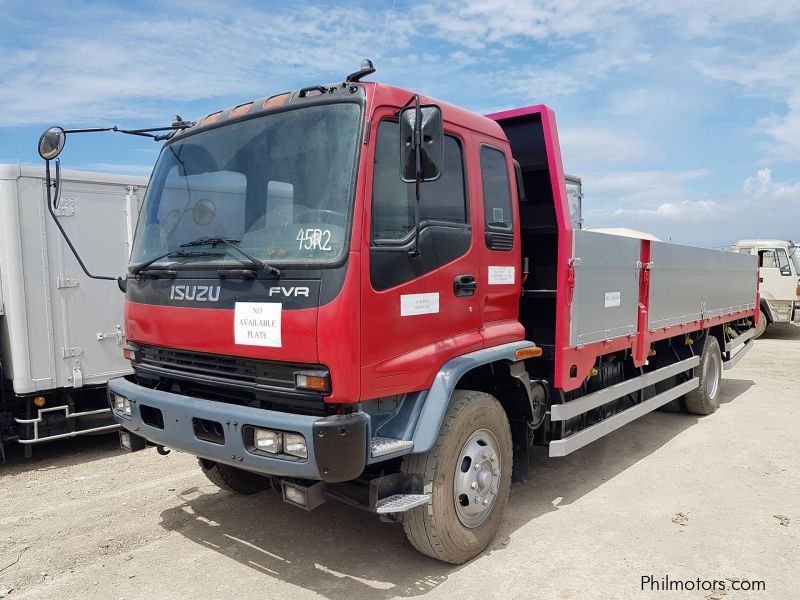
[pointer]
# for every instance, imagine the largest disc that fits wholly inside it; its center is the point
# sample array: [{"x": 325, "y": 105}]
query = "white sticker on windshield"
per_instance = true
[
  {"x": 613, "y": 299},
  {"x": 501, "y": 275},
  {"x": 257, "y": 324},
  {"x": 418, "y": 304}
]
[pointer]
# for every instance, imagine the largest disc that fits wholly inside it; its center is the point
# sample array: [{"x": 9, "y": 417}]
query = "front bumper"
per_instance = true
[{"x": 337, "y": 445}]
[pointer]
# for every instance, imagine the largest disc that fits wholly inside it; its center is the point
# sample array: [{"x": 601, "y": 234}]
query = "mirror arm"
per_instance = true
[{"x": 48, "y": 184}]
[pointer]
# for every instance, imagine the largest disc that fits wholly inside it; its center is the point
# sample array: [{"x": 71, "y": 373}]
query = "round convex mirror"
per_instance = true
[
  {"x": 204, "y": 212},
  {"x": 52, "y": 143}
]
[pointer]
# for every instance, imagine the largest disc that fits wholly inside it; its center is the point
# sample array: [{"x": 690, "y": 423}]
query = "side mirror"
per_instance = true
[
  {"x": 52, "y": 143},
  {"x": 427, "y": 136}
]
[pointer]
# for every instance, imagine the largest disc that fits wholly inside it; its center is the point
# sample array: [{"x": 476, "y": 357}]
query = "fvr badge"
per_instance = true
[{"x": 257, "y": 324}]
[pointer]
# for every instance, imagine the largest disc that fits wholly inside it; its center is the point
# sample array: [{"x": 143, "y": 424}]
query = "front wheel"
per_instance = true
[
  {"x": 232, "y": 479},
  {"x": 468, "y": 475}
]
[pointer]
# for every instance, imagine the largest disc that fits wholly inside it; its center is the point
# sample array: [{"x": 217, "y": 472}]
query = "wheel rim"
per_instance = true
[
  {"x": 477, "y": 478},
  {"x": 713, "y": 372}
]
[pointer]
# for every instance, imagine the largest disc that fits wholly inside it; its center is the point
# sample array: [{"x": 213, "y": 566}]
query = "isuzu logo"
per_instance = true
[
  {"x": 196, "y": 293},
  {"x": 289, "y": 291}
]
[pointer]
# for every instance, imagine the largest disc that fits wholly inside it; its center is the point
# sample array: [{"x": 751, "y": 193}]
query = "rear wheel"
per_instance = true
[
  {"x": 705, "y": 399},
  {"x": 232, "y": 479},
  {"x": 468, "y": 474},
  {"x": 762, "y": 324}
]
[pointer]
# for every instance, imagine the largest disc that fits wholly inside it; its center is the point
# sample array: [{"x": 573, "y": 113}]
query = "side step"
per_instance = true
[
  {"x": 382, "y": 446},
  {"x": 595, "y": 432},
  {"x": 401, "y": 503}
]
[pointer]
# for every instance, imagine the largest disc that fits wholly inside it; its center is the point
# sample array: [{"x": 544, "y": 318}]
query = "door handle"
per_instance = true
[
  {"x": 464, "y": 285},
  {"x": 760, "y": 280}
]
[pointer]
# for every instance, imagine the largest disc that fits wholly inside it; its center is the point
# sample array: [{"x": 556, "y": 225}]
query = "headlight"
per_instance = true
[
  {"x": 268, "y": 441},
  {"x": 279, "y": 443},
  {"x": 122, "y": 405},
  {"x": 295, "y": 444}
]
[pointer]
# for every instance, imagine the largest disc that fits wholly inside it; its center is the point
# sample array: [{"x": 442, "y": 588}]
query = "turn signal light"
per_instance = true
[
  {"x": 312, "y": 380},
  {"x": 523, "y": 353}
]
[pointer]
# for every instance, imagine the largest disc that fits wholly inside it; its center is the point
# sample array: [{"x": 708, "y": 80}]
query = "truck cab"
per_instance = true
[{"x": 779, "y": 280}]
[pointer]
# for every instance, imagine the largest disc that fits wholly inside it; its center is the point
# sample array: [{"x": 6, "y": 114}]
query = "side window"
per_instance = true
[
  {"x": 783, "y": 262},
  {"x": 496, "y": 199},
  {"x": 393, "y": 201},
  {"x": 768, "y": 259},
  {"x": 444, "y": 231}
]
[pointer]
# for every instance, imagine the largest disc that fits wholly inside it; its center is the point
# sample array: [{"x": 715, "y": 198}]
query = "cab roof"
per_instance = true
[{"x": 372, "y": 93}]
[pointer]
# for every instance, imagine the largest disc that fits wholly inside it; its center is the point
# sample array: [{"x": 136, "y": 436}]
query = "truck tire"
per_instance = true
[
  {"x": 762, "y": 324},
  {"x": 705, "y": 399},
  {"x": 468, "y": 475},
  {"x": 233, "y": 480}
]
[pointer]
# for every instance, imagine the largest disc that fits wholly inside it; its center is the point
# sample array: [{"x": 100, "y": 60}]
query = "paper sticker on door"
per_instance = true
[
  {"x": 418, "y": 304},
  {"x": 257, "y": 324},
  {"x": 613, "y": 299},
  {"x": 501, "y": 275}
]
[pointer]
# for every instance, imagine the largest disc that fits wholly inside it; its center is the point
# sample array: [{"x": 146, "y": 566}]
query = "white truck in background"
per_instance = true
[
  {"x": 779, "y": 280},
  {"x": 61, "y": 333}
]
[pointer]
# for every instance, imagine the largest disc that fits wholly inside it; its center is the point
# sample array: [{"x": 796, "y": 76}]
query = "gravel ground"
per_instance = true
[{"x": 671, "y": 495}]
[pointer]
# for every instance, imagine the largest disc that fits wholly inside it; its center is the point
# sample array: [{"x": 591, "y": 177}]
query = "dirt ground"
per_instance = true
[{"x": 715, "y": 498}]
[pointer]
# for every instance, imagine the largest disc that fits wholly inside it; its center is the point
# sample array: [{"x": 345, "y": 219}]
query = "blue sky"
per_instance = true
[{"x": 682, "y": 117}]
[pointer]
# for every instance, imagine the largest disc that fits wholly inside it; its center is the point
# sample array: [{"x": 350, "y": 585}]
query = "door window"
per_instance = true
[
  {"x": 496, "y": 199},
  {"x": 783, "y": 261},
  {"x": 393, "y": 201},
  {"x": 444, "y": 231}
]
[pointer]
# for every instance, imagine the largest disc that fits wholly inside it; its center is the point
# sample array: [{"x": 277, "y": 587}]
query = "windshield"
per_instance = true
[
  {"x": 794, "y": 252},
  {"x": 281, "y": 185}
]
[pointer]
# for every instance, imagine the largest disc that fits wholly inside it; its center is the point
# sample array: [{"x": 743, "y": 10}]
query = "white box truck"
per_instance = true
[
  {"x": 61, "y": 333},
  {"x": 779, "y": 280}
]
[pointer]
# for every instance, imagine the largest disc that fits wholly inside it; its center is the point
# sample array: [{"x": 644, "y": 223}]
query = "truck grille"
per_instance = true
[
  {"x": 231, "y": 368},
  {"x": 228, "y": 379}
]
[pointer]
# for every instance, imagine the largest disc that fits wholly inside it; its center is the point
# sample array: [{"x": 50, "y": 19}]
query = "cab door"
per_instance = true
[
  {"x": 777, "y": 282},
  {"x": 417, "y": 311}
]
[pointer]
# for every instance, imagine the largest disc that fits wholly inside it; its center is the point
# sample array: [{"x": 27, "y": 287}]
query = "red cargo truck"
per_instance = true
[{"x": 355, "y": 292}]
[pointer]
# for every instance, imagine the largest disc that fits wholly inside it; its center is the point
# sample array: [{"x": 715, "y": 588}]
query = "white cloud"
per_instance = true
[
  {"x": 660, "y": 203},
  {"x": 104, "y": 167},
  {"x": 132, "y": 69}
]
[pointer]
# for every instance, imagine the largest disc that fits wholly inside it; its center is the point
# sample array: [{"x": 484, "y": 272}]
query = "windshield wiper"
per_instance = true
[
  {"x": 171, "y": 254},
  {"x": 234, "y": 244}
]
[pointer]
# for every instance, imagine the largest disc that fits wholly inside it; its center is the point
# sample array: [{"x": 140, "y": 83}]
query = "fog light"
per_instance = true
[
  {"x": 268, "y": 440},
  {"x": 295, "y": 444},
  {"x": 294, "y": 495},
  {"x": 122, "y": 405}
]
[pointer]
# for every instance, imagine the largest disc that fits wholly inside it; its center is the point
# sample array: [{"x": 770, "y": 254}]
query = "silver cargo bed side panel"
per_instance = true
[
  {"x": 688, "y": 284},
  {"x": 606, "y": 295}
]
